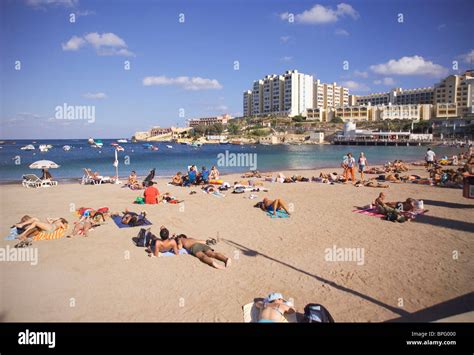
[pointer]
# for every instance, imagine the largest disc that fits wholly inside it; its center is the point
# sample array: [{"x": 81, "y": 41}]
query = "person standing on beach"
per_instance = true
[
  {"x": 350, "y": 168},
  {"x": 430, "y": 157},
  {"x": 362, "y": 165}
]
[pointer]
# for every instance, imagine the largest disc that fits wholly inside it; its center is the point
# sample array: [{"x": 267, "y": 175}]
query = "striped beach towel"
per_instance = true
[{"x": 56, "y": 234}]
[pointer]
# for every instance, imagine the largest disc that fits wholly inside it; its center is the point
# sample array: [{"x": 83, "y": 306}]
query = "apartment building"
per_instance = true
[
  {"x": 356, "y": 113},
  {"x": 457, "y": 89},
  {"x": 445, "y": 110},
  {"x": 288, "y": 94},
  {"x": 247, "y": 107},
  {"x": 404, "y": 112},
  {"x": 329, "y": 95},
  {"x": 398, "y": 96}
]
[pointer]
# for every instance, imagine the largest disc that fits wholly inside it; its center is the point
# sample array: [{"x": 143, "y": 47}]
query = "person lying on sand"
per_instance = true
[
  {"x": 371, "y": 183},
  {"x": 166, "y": 197},
  {"x": 131, "y": 218},
  {"x": 202, "y": 251},
  {"x": 272, "y": 206},
  {"x": 35, "y": 225},
  {"x": 408, "y": 205},
  {"x": 273, "y": 309},
  {"x": 391, "y": 213},
  {"x": 164, "y": 244},
  {"x": 81, "y": 227}
]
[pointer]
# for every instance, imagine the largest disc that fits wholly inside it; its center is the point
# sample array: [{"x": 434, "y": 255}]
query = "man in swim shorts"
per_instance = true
[{"x": 202, "y": 251}]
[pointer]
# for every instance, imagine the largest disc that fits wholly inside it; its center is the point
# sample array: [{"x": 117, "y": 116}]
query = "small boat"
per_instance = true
[
  {"x": 197, "y": 144},
  {"x": 45, "y": 147},
  {"x": 122, "y": 140},
  {"x": 154, "y": 148},
  {"x": 67, "y": 148},
  {"x": 169, "y": 146},
  {"x": 97, "y": 144},
  {"x": 119, "y": 148},
  {"x": 90, "y": 140},
  {"x": 28, "y": 147}
]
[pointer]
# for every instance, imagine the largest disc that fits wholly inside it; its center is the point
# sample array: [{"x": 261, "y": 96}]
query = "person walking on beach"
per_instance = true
[
  {"x": 430, "y": 157},
  {"x": 362, "y": 165},
  {"x": 350, "y": 168}
]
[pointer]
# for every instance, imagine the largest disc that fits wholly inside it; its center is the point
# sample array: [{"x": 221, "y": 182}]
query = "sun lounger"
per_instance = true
[
  {"x": 31, "y": 180},
  {"x": 89, "y": 178}
]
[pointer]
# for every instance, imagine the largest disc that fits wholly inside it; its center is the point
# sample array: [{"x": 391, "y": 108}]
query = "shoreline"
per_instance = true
[{"x": 75, "y": 180}]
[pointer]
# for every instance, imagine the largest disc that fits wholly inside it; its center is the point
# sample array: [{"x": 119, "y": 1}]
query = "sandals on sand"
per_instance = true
[{"x": 24, "y": 243}]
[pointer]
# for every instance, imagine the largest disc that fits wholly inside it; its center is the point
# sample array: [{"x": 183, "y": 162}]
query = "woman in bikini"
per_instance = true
[
  {"x": 35, "y": 225},
  {"x": 273, "y": 309},
  {"x": 273, "y": 206}
]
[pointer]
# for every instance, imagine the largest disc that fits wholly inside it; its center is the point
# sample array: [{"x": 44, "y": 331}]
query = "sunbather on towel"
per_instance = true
[
  {"x": 392, "y": 213},
  {"x": 164, "y": 244},
  {"x": 273, "y": 309},
  {"x": 273, "y": 206},
  {"x": 131, "y": 218},
  {"x": 408, "y": 205},
  {"x": 35, "y": 226},
  {"x": 202, "y": 251}
]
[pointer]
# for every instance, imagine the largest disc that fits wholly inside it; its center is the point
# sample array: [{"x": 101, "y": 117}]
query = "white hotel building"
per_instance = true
[{"x": 288, "y": 94}]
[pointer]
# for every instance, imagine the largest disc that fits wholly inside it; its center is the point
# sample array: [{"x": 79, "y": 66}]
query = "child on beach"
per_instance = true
[{"x": 362, "y": 165}]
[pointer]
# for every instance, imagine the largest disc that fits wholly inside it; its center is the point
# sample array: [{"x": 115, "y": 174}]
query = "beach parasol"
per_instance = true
[
  {"x": 44, "y": 164},
  {"x": 116, "y": 164}
]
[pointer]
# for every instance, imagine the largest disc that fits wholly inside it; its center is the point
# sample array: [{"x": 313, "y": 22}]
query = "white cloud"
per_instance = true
[
  {"x": 385, "y": 81},
  {"x": 441, "y": 27},
  {"x": 95, "y": 96},
  {"x": 286, "y": 59},
  {"x": 320, "y": 14},
  {"x": 105, "y": 44},
  {"x": 415, "y": 65},
  {"x": 84, "y": 13},
  {"x": 353, "y": 85},
  {"x": 193, "y": 83},
  {"x": 361, "y": 74},
  {"x": 468, "y": 57},
  {"x": 42, "y": 3},
  {"x": 285, "y": 39},
  {"x": 341, "y": 32},
  {"x": 73, "y": 44},
  {"x": 220, "y": 108}
]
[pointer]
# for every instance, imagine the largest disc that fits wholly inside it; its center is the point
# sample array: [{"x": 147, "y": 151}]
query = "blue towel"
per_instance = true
[
  {"x": 170, "y": 253},
  {"x": 279, "y": 214},
  {"x": 118, "y": 222},
  {"x": 13, "y": 234}
]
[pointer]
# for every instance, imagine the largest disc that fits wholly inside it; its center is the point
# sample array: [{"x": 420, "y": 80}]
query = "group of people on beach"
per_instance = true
[{"x": 196, "y": 177}]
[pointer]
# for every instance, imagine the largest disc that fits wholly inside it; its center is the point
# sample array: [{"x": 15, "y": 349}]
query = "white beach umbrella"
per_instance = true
[
  {"x": 116, "y": 164},
  {"x": 44, "y": 164}
]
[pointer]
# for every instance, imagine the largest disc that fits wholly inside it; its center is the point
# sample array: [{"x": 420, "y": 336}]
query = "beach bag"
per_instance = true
[
  {"x": 316, "y": 313},
  {"x": 143, "y": 238},
  {"x": 140, "y": 200}
]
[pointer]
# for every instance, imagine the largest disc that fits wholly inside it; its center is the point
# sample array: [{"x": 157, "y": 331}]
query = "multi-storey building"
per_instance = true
[
  {"x": 456, "y": 89},
  {"x": 404, "y": 112},
  {"x": 247, "y": 109},
  {"x": 329, "y": 95},
  {"x": 209, "y": 121},
  {"x": 290, "y": 94},
  {"x": 356, "y": 113},
  {"x": 398, "y": 96}
]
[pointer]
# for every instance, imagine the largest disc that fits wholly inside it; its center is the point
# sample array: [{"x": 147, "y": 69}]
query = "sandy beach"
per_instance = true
[{"x": 407, "y": 268}]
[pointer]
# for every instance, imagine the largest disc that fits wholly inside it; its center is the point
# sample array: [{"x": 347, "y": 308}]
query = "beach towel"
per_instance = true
[
  {"x": 369, "y": 212},
  {"x": 13, "y": 234},
  {"x": 118, "y": 222},
  {"x": 56, "y": 234},
  {"x": 170, "y": 253},
  {"x": 373, "y": 212},
  {"x": 279, "y": 214},
  {"x": 251, "y": 314}
]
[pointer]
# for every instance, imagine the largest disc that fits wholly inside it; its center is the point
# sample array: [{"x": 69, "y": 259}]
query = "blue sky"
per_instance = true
[{"x": 190, "y": 65}]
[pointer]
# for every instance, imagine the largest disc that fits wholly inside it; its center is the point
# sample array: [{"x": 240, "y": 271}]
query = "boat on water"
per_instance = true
[
  {"x": 45, "y": 147},
  {"x": 150, "y": 146},
  {"x": 122, "y": 140},
  {"x": 28, "y": 147},
  {"x": 196, "y": 144},
  {"x": 169, "y": 146},
  {"x": 67, "y": 148},
  {"x": 118, "y": 147},
  {"x": 90, "y": 140}
]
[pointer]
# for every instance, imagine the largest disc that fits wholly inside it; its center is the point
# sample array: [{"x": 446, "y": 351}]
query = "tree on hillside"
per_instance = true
[
  {"x": 337, "y": 119},
  {"x": 233, "y": 128}
]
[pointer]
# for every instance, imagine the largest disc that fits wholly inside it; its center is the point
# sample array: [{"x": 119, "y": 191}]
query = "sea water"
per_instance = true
[{"x": 15, "y": 162}]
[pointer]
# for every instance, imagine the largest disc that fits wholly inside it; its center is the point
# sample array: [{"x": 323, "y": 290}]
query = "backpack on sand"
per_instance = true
[
  {"x": 143, "y": 238},
  {"x": 316, "y": 313}
]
